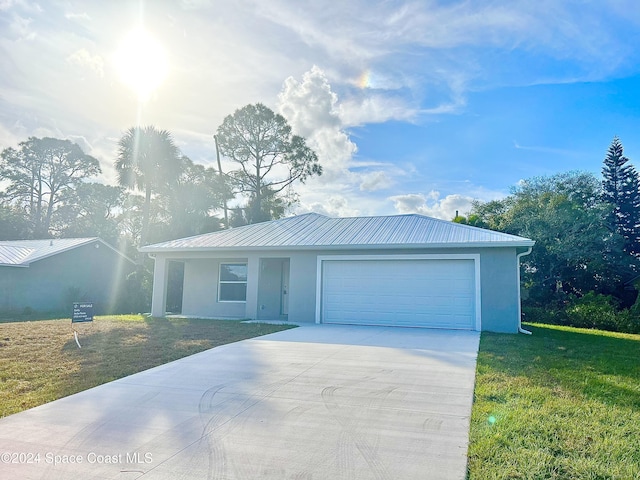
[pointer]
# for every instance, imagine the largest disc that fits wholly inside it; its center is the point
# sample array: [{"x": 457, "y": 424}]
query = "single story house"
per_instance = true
[
  {"x": 404, "y": 270},
  {"x": 49, "y": 275}
]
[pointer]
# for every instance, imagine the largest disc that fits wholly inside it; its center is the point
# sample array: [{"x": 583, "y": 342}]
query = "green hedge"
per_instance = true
[{"x": 589, "y": 311}]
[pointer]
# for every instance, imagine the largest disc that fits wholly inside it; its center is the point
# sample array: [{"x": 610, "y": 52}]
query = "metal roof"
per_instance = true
[
  {"x": 318, "y": 231},
  {"x": 21, "y": 253}
]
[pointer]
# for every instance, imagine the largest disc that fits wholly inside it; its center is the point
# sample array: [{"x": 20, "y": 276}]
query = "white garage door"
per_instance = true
[{"x": 424, "y": 293}]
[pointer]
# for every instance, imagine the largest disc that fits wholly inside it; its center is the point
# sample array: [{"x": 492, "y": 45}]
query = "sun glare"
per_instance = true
[{"x": 142, "y": 63}]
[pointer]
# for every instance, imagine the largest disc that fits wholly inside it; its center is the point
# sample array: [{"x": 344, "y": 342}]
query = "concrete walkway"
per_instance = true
[{"x": 316, "y": 402}]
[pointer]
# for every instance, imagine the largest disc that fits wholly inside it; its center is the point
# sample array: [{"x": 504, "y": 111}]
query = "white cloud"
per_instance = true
[
  {"x": 375, "y": 108},
  {"x": 21, "y": 4},
  {"x": 432, "y": 205},
  {"x": 310, "y": 108},
  {"x": 333, "y": 206},
  {"x": 84, "y": 16},
  {"x": 83, "y": 58},
  {"x": 82, "y": 142},
  {"x": 9, "y": 138},
  {"x": 21, "y": 28},
  {"x": 375, "y": 181}
]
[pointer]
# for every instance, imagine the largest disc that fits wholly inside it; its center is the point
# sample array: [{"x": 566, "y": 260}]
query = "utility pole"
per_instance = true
[{"x": 226, "y": 215}]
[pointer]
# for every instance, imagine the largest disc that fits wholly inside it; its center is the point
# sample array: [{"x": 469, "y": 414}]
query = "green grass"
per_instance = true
[
  {"x": 563, "y": 403},
  {"x": 40, "y": 361}
]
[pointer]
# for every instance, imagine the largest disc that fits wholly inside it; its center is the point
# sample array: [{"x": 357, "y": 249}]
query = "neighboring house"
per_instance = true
[
  {"x": 49, "y": 275},
  {"x": 405, "y": 270}
]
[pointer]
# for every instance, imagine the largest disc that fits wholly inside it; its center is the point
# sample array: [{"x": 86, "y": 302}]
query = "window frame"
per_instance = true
[{"x": 232, "y": 282}]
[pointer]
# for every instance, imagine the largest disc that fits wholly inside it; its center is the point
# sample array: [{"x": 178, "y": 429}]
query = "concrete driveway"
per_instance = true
[{"x": 316, "y": 402}]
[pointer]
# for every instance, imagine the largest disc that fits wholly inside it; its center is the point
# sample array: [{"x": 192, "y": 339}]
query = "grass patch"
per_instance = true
[
  {"x": 40, "y": 361},
  {"x": 563, "y": 403}
]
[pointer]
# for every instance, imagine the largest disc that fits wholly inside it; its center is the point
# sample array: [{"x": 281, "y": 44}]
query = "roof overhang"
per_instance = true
[{"x": 280, "y": 248}]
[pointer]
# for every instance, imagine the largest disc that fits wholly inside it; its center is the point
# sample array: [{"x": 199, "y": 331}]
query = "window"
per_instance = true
[{"x": 233, "y": 282}]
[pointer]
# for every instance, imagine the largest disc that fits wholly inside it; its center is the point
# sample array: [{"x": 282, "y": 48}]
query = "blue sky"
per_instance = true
[{"x": 412, "y": 106}]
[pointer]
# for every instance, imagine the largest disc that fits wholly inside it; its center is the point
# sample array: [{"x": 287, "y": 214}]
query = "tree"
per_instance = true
[
  {"x": 14, "y": 225},
  {"x": 273, "y": 207},
  {"x": 269, "y": 156},
  {"x": 40, "y": 174},
  {"x": 621, "y": 189},
  {"x": 189, "y": 203},
  {"x": 148, "y": 160},
  {"x": 472, "y": 219},
  {"x": 92, "y": 210},
  {"x": 575, "y": 251},
  {"x": 130, "y": 223}
]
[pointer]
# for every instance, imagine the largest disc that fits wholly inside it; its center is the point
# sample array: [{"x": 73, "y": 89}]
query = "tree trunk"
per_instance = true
[
  {"x": 257, "y": 207},
  {"x": 226, "y": 212},
  {"x": 145, "y": 219},
  {"x": 47, "y": 218}
]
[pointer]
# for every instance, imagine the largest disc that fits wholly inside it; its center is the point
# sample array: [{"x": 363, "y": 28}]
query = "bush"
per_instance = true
[
  {"x": 629, "y": 322},
  {"x": 549, "y": 315},
  {"x": 593, "y": 311},
  {"x": 135, "y": 294},
  {"x": 589, "y": 311}
]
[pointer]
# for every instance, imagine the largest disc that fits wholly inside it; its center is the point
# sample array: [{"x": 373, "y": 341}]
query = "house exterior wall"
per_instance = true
[
  {"x": 302, "y": 298},
  {"x": 200, "y": 292},
  {"x": 85, "y": 273},
  {"x": 498, "y": 283},
  {"x": 500, "y": 290}
]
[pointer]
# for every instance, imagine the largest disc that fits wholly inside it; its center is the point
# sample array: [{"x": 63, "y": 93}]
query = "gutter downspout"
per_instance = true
[{"x": 520, "y": 329}]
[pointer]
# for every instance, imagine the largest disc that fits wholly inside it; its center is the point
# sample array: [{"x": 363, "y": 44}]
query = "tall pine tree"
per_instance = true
[{"x": 621, "y": 188}]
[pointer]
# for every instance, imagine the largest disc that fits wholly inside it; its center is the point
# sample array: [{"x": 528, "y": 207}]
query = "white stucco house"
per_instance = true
[{"x": 400, "y": 270}]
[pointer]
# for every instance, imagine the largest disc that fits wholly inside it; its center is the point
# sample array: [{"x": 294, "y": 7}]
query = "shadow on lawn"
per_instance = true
[
  {"x": 114, "y": 349},
  {"x": 585, "y": 363}
]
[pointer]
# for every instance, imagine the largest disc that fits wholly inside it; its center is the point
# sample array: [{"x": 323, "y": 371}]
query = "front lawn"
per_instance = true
[
  {"x": 563, "y": 403},
  {"x": 40, "y": 361}
]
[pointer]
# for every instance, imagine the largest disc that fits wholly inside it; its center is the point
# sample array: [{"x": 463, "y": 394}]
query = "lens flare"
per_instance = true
[{"x": 364, "y": 80}]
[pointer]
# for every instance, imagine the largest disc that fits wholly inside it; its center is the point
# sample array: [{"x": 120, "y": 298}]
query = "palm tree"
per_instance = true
[{"x": 147, "y": 160}]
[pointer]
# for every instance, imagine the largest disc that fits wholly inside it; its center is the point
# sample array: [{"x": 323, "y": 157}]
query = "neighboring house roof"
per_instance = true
[
  {"x": 313, "y": 230},
  {"x": 21, "y": 253}
]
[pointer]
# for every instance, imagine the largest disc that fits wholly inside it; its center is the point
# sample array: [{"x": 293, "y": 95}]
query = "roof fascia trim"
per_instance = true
[{"x": 410, "y": 246}]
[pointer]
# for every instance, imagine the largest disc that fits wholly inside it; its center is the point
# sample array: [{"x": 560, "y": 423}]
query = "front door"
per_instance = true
[{"x": 285, "y": 287}]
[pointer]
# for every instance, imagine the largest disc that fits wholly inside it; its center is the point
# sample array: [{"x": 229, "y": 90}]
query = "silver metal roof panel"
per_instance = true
[
  {"x": 21, "y": 253},
  {"x": 314, "y": 230}
]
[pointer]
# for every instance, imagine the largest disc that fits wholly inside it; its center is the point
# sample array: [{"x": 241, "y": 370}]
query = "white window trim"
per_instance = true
[
  {"x": 437, "y": 256},
  {"x": 220, "y": 281}
]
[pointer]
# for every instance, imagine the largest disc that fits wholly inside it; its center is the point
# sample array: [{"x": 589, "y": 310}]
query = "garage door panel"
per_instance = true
[{"x": 421, "y": 292}]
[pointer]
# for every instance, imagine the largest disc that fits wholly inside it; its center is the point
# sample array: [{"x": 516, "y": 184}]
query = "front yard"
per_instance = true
[
  {"x": 563, "y": 403},
  {"x": 40, "y": 361}
]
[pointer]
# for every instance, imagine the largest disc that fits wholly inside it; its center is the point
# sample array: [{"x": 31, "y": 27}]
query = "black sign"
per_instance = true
[{"x": 82, "y": 312}]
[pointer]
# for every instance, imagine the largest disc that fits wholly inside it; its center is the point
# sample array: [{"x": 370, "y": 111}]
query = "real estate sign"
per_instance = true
[{"x": 82, "y": 312}]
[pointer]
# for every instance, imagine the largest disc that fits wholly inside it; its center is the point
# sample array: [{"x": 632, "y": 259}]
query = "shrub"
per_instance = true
[
  {"x": 549, "y": 315},
  {"x": 135, "y": 294},
  {"x": 593, "y": 311},
  {"x": 629, "y": 321},
  {"x": 589, "y": 311}
]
